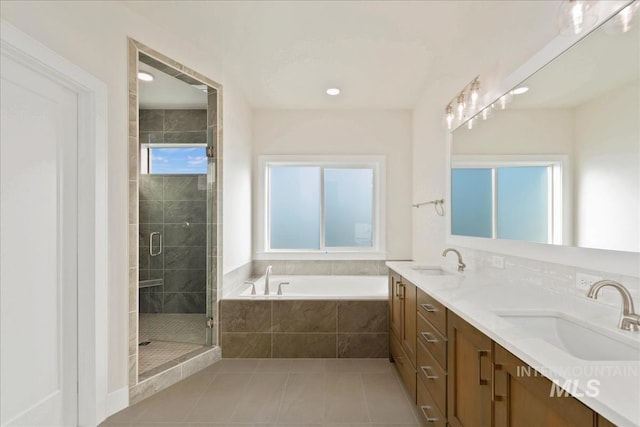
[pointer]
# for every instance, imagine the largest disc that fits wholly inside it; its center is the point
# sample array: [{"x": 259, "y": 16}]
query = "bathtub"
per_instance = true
[
  {"x": 319, "y": 288},
  {"x": 315, "y": 317}
]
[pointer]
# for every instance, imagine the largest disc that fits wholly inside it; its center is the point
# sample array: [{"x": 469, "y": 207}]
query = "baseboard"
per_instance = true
[{"x": 117, "y": 400}]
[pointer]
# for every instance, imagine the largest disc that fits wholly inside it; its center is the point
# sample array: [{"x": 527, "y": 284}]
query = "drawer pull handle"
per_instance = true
[
  {"x": 424, "y": 408},
  {"x": 481, "y": 354},
  {"x": 429, "y": 337},
  {"x": 429, "y": 308},
  {"x": 425, "y": 369}
]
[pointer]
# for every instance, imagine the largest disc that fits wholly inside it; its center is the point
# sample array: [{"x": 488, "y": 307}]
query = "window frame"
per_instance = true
[
  {"x": 145, "y": 154},
  {"x": 375, "y": 162},
  {"x": 560, "y": 197}
]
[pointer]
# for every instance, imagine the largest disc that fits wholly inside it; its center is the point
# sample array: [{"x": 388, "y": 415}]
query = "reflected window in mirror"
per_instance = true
[
  {"x": 508, "y": 198},
  {"x": 583, "y": 106}
]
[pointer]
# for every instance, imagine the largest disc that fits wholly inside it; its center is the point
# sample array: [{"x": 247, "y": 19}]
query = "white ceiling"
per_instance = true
[{"x": 382, "y": 54}]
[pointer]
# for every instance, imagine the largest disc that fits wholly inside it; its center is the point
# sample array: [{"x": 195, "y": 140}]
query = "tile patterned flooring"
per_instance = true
[
  {"x": 280, "y": 392},
  {"x": 158, "y": 353}
]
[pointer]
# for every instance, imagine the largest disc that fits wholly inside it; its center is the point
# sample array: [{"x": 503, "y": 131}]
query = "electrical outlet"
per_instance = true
[
  {"x": 497, "y": 261},
  {"x": 584, "y": 281}
]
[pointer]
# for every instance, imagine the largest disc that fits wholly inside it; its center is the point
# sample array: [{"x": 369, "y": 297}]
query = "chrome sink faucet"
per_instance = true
[
  {"x": 267, "y": 276},
  {"x": 461, "y": 265},
  {"x": 629, "y": 320}
]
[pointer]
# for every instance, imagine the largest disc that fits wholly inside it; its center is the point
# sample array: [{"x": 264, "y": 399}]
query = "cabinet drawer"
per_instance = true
[
  {"x": 433, "y": 311},
  {"x": 433, "y": 377},
  {"x": 406, "y": 370},
  {"x": 427, "y": 406},
  {"x": 433, "y": 341}
]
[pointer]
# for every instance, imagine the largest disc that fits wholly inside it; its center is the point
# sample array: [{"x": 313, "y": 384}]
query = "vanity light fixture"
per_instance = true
[
  {"x": 486, "y": 113},
  {"x": 503, "y": 101},
  {"x": 145, "y": 77},
  {"x": 576, "y": 16},
  {"x": 466, "y": 104},
  {"x": 333, "y": 91},
  {"x": 520, "y": 90}
]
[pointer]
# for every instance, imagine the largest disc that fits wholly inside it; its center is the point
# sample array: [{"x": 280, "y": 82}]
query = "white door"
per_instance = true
[{"x": 38, "y": 258}]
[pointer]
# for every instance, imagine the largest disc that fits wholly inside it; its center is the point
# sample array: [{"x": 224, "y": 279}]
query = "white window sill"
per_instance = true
[{"x": 316, "y": 255}]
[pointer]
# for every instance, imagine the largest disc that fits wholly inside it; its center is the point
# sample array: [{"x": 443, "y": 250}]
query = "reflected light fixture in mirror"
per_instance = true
[
  {"x": 579, "y": 123},
  {"x": 576, "y": 16}
]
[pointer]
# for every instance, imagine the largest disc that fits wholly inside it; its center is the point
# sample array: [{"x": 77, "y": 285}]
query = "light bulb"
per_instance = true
[
  {"x": 461, "y": 106},
  {"x": 485, "y": 113},
  {"x": 470, "y": 124},
  {"x": 503, "y": 101},
  {"x": 449, "y": 116},
  {"x": 577, "y": 16},
  {"x": 626, "y": 16},
  {"x": 475, "y": 93}
]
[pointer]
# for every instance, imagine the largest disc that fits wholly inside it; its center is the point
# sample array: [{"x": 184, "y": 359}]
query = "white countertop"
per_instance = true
[{"x": 476, "y": 299}]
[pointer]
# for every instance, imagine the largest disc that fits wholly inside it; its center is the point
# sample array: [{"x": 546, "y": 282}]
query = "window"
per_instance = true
[
  {"x": 322, "y": 205},
  {"x": 516, "y": 200},
  {"x": 173, "y": 159}
]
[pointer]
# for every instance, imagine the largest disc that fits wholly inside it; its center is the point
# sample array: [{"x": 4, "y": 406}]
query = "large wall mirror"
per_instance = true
[{"x": 561, "y": 163}]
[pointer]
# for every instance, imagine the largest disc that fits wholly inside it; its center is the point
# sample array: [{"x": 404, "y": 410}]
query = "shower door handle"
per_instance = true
[{"x": 151, "y": 252}]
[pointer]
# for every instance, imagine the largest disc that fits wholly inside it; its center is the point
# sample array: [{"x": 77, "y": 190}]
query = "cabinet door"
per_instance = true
[
  {"x": 523, "y": 398},
  {"x": 395, "y": 309},
  {"x": 469, "y": 375},
  {"x": 409, "y": 307}
]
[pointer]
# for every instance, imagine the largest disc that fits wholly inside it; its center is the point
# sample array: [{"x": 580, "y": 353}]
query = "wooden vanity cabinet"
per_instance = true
[
  {"x": 523, "y": 398},
  {"x": 469, "y": 375},
  {"x": 402, "y": 325}
]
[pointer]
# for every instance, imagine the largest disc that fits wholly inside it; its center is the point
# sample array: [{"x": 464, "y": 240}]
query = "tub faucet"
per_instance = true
[
  {"x": 267, "y": 276},
  {"x": 629, "y": 320},
  {"x": 461, "y": 265}
]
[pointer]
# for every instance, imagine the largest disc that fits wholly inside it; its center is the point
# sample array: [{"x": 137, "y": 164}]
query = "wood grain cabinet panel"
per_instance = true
[
  {"x": 469, "y": 375},
  {"x": 523, "y": 398}
]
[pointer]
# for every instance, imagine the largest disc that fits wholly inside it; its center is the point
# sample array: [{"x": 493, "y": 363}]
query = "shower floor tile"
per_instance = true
[
  {"x": 183, "y": 328},
  {"x": 158, "y": 353}
]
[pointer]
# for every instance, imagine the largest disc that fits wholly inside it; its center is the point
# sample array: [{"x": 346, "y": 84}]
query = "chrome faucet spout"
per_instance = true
[
  {"x": 461, "y": 265},
  {"x": 267, "y": 276},
  {"x": 629, "y": 319}
]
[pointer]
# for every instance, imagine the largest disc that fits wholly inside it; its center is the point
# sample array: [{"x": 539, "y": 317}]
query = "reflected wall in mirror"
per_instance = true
[{"x": 561, "y": 164}]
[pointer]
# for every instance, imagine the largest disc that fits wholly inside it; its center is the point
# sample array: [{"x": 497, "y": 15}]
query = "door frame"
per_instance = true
[{"x": 92, "y": 212}]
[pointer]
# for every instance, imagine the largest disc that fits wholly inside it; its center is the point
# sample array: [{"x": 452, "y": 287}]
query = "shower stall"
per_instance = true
[{"x": 177, "y": 217}]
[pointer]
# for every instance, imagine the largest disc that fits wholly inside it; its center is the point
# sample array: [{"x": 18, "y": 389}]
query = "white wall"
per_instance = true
[
  {"x": 93, "y": 35},
  {"x": 607, "y": 159},
  {"x": 348, "y": 132},
  {"x": 548, "y": 131}
]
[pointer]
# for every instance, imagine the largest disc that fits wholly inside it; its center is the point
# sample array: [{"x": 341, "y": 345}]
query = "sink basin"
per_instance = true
[
  {"x": 429, "y": 270},
  {"x": 572, "y": 337}
]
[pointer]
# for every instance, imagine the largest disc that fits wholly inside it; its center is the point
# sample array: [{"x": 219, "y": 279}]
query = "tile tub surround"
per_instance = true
[
  {"x": 475, "y": 296},
  {"x": 304, "y": 328}
]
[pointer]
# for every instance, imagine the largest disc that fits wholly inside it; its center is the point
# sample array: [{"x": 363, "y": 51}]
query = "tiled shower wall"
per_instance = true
[{"x": 175, "y": 206}]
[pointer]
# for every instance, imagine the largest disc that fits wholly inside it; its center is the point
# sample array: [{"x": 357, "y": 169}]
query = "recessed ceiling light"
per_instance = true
[
  {"x": 520, "y": 90},
  {"x": 145, "y": 77},
  {"x": 333, "y": 91}
]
